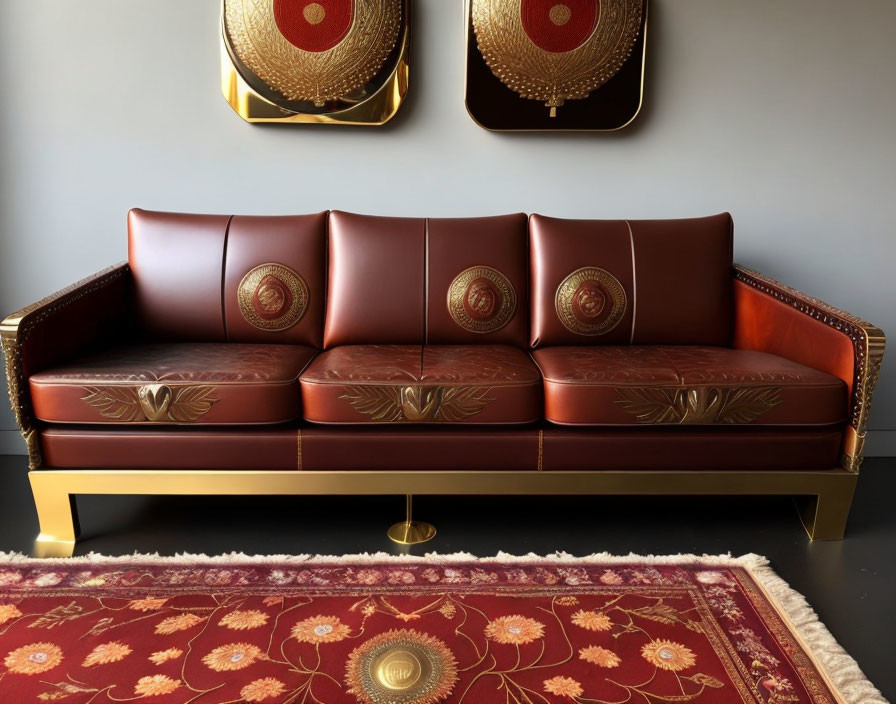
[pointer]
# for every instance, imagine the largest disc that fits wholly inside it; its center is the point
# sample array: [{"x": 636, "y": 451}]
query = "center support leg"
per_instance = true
[{"x": 411, "y": 532}]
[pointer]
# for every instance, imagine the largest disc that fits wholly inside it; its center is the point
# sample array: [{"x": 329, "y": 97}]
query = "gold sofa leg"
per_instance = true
[
  {"x": 411, "y": 532},
  {"x": 824, "y": 515},
  {"x": 57, "y": 514}
]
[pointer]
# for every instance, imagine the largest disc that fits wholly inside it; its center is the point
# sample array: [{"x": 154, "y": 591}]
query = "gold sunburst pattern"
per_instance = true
[
  {"x": 233, "y": 656},
  {"x": 320, "y": 629},
  {"x": 668, "y": 655},
  {"x": 33, "y": 659},
  {"x": 401, "y": 667},
  {"x": 554, "y": 77},
  {"x": 315, "y": 76},
  {"x": 514, "y": 630}
]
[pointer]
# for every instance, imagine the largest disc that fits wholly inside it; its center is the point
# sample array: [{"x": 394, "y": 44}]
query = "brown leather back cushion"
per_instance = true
[
  {"x": 618, "y": 282},
  {"x": 208, "y": 278},
  {"x": 427, "y": 280}
]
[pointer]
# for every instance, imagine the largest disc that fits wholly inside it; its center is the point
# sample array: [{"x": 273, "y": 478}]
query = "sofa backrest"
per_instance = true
[
  {"x": 337, "y": 278},
  {"x": 211, "y": 278},
  {"x": 427, "y": 280},
  {"x": 619, "y": 282}
]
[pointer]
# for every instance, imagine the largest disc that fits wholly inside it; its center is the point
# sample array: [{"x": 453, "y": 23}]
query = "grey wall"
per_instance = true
[{"x": 781, "y": 112}]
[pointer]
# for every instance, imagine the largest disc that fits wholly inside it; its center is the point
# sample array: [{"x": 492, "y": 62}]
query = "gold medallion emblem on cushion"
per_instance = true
[
  {"x": 590, "y": 301},
  {"x": 317, "y": 76},
  {"x": 553, "y": 75},
  {"x": 401, "y": 667},
  {"x": 481, "y": 299},
  {"x": 272, "y": 297}
]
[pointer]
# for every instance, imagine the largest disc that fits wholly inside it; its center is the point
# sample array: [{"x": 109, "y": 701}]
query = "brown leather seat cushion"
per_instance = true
[
  {"x": 479, "y": 384},
  {"x": 173, "y": 383},
  {"x": 669, "y": 385}
]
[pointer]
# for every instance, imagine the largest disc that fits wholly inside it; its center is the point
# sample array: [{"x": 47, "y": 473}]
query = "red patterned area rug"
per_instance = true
[{"x": 375, "y": 629}]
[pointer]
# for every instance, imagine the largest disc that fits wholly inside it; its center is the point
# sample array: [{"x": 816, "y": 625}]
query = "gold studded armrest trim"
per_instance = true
[
  {"x": 868, "y": 342},
  {"x": 19, "y": 331}
]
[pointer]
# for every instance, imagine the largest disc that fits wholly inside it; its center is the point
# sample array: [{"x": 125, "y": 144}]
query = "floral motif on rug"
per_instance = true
[{"x": 397, "y": 632}]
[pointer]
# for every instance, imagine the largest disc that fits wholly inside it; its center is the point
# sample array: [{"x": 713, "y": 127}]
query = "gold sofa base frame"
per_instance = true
[{"x": 823, "y": 497}]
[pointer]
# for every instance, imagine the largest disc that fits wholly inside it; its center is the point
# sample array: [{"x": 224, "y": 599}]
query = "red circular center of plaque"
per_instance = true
[
  {"x": 314, "y": 25},
  {"x": 272, "y": 298},
  {"x": 559, "y": 25},
  {"x": 482, "y": 299},
  {"x": 589, "y": 301}
]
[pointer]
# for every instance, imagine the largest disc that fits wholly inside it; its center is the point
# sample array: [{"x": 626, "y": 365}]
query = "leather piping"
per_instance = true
[
  {"x": 425, "y": 286},
  {"x": 224, "y": 276},
  {"x": 423, "y": 382},
  {"x": 631, "y": 238}
]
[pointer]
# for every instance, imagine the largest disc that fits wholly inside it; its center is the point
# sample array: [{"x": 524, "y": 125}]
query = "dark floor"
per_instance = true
[{"x": 851, "y": 584}]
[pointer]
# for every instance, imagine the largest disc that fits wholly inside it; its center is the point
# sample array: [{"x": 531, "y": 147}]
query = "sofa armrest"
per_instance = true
[
  {"x": 775, "y": 318},
  {"x": 76, "y": 319}
]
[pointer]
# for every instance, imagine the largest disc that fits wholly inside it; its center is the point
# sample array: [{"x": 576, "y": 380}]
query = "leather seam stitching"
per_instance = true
[
  {"x": 299, "y": 449},
  {"x": 540, "y": 450},
  {"x": 224, "y": 277}
]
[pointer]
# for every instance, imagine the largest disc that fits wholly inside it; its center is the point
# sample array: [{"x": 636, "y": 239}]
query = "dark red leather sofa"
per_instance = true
[{"x": 343, "y": 353}]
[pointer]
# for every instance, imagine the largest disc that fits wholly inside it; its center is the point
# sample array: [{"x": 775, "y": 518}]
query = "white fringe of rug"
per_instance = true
[{"x": 836, "y": 664}]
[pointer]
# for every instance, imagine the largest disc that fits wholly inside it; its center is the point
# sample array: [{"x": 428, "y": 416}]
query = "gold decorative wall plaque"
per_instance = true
[
  {"x": 555, "y": 64},
  {"x": 317, "y": 61}
]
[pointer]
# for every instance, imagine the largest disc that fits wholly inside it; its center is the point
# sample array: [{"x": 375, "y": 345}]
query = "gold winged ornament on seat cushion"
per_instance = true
[
  {"x": 417, "y": 404},
  {"x": 555, "y": 50},
  {"x": 153, "y": 403},
  {"x": 702, "y": 405}
]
